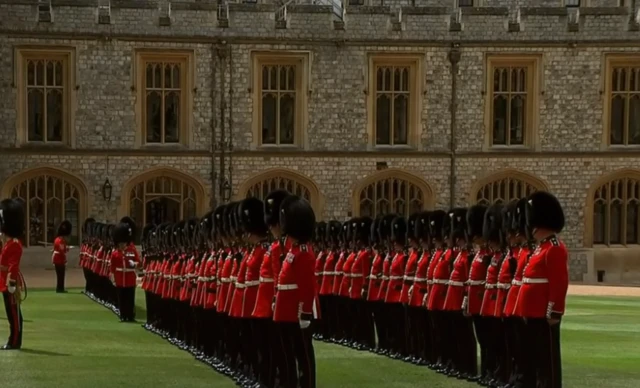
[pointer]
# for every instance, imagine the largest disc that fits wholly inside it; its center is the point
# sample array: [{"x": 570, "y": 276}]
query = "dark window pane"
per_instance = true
[
  {"x": 154, "y": 117},
  {"x": 599, "y": 223},
  {"x": 499, "y": 120},
  {"x": 269, "y": 112},
  {"x": 632, "y": 223},
  {"x": 617, "y": 120},
  {"x": 35, "y": 114},
  {"x": 518, "y": 116},
  {"x": 49, "y": 73},
  {"x": 383, "y": 114},
  {"x": 287, "y": 117},
  {"x": 149, "y": 76},
  {"x": 634, "y": 120},
  {"x": 616, "y": 223},
  {"x": 54, "y": 115},
  {"x": 400, "y": 118},
  {"x": 31, "y": 73},
  {"x": 59, "y": 74},
  {"x": 40, "y": 73},
  {"x": 172, "y": 117}
]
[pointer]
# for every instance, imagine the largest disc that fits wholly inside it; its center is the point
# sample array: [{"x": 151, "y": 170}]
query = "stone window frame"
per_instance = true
[
  {"x": 124, "y": 208},
  {"x": 48, "y": 171},
  {"x": 187, "y": 59},
  {"x": 417, "y": 89},
  {"x": 534, "y": 62},
  {"x": 589, "y": 213},
  {"x": 302, "y": 59},
  {"x": 428, "y": 193},
  {"x": 611, "y": 60},
  {"x": 316, "y": 198},
  {"x": 504, "y": 176},
  {"x": 68, "y": 56}
]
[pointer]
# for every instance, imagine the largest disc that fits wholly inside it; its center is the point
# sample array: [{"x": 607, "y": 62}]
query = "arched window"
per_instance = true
[
  {"x": 392, "y": 191},
  {"x": 505, "y": 186},
  {"x": 616, "y": 209},
  {"x": 261, "y": 184},
  {"x": 162, "y": 195},
  {"x": 50, "y": 196}
]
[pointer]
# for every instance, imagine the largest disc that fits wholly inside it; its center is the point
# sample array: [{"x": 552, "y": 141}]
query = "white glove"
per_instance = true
[
  {"x": 273, "y": 307},
  {"x": 11, "y": 289},
  {"x": 132, "y": 263},
  {"x": 304, "y": 324},
  {"x": 424, "y": 300}
]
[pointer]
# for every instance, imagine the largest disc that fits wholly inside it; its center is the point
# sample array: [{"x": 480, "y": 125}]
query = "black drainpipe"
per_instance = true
[
  {"x": 454, "y": 59},
  {"x": 222, "y": 54},
  {"x": 213, "y": 201}
]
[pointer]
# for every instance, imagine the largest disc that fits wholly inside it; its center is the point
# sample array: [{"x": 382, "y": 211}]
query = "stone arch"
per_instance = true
[
  {"x": 611, "y": 200},
  {"x": 150, "y": 192},
  {"x": 504, "y": 186},
  {"x": 51, "y": 195},
  {"x": 391, "y": 190},
  {"x": 260, "y": 184}
]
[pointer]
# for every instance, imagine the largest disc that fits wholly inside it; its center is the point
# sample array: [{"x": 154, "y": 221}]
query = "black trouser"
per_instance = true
[
  {"x": 465, "y": 356},
  {"x": 379, "y": 320},
  {"x": 483, "y": 333},
  {"x": 427, "y": 334},
  {"x": 397, "y": 328},
  {"x": 296, "y": 346},
  {"x": 415, "y": 332},
  {"x": 545, "y": 358},
  {"x": 364, "y": 332},
  {"x": 516, "y": 337},
  {"x": 126, "y": 303},
  {"x": 61, "y": 269},
  {"x": 14, "y": 317},
  {"x": 503, "y": 359},
  {"x": 267, "y": 344}
]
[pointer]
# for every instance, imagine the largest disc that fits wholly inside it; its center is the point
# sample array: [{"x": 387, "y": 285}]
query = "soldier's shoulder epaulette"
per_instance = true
[{"x": 554, "y": 241}]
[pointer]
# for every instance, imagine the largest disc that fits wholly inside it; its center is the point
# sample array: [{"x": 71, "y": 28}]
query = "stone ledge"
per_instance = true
[
  {"x": 309, "y": 8},
  {"x": 485, "y": 11},
  {"x": 370, "y": 10},
  {"x": 424, "y": 11},
  {"x": 544, "y": 11},
  {"x": 252, "y": 7}
]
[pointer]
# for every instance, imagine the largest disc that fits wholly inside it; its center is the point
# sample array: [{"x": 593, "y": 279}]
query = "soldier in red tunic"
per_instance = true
[
  {"x": 11, "y": 229},
  {"x": 123, "y": 271},
  {"x": 330, "y": 312},
  {"x": 319, "y": 245},
  {"x": 418, "y": 292},
  {"x": 375, "y": 282},
  {"x": 436, "y": 222},
  {"x": 294, "y": 308},
  {"x": 542, "y": 298},
  {"x": 85, "y": 251},
  {"x": 394, "y": 291},
  {"x": 386, "y": 249},
  {"x": 412, "y": 320},
  {"x": 364, "y": 332},
  {"x": 59, "y": 255},
  {"x": 348, "y": 314},
  {"x": 476, "y": 282}
]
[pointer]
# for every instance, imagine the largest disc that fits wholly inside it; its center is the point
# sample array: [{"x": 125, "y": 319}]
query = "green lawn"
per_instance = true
[{"x": 72, "y": 342}]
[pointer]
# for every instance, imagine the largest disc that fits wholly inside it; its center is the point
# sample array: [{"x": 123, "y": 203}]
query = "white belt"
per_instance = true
[
  {"x": 372, "y": 277},
  {"x": 286, "y": 287},
  {"x": 225, "y": 280},
  {"x": 396, "y": 277},
  {"x": 476, "y": 282},
  {"x": 535, "y": 281},
  {"x": 330, "y": 273},
  {"x": 202, "y": 279},
  {"x": 55, "y": 253},
  {"x": 429, "y": 281},
  {"x": 266, "y": 280},
  {"x": 338, "y": 273},
  {"x": 441, "y": 281},
  {"x": 240, "y": 285},
  {"x": 125, "y": 270},
  {"x": 516, "y": 283},
  {"x": 420, "y": 280},
  {"x": 504, "y": 286},
  {"x": 408, "y": 278},
  {"x": 252, "y": 283},
  {"x": 490, "y": 286},
  {"x": 355, "y": 275},
  {"x": 233, "y": 278},
  {"x": 319, "y": 273},
  {"x": 385, "y": 278},
  {"x": 457, "y": 284}
]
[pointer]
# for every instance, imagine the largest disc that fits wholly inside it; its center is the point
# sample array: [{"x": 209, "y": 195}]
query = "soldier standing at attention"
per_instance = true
[
  {"x": 59, "y": 256},
  {"x": 123, "y": 270},
  {"x": 542, "y": 298},
  {"x": 11, "y": 229}
]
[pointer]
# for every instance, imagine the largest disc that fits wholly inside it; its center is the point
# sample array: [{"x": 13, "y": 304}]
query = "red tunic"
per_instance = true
[
  {"x": 269, "y": 272},
  {"x": 488, "y": 308},
  {"x": 295, "y": 297},
  {"x": 545, "y": 281},
  {"x": 435, "y": 259},
  {"x": 233, "y": 278},
  {"x": 512, "y": 296},
  {"x": 504, "y": 281},
  {"x": 409, "y": 275},
  {"x": 375, "y": 278},
  {"x": 210, "y": 278},
  {"x": 359, "y": 272},
  {"x": 441, "y": 274},
  {"x": 197, "y": 297},
  {"x": 224, "y": 280},
  {"x": 177, "y": 273},
  {"x": 420, "y": 282},
  {"x": 345, "y": 282},
  {"x": 240, "y": 287},
  {"x": 319, "y": 270},
  {"x": 396, "y": 278},
  {"x": 328, "y": 274},
  {"x": 97, "y": 262},
  {"x": 60, "y": 249},
  {"x": 457, "y": 281},
  {"x": 337, "y": 279},
  {"x": 252, "y": 278},
  {"x": 477, "y": 280},
  {"x": 386, "y": 273},
  {"x": 185, "y": 289},
  {"x": 124, "y": 274},
  {"x": 10, "y": 263}
]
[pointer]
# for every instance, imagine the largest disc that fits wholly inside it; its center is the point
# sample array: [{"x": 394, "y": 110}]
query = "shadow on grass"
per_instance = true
[{"x": 44, "y": 353}]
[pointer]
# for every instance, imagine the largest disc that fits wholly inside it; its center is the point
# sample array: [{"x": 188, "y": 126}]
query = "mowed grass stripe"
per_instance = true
[{"x": 70, "y": 341}]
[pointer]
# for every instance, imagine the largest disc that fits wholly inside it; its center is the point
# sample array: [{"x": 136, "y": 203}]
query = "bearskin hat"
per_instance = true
[
  {"x": 321, "y": 232},
  {"x": 64, "y": 229},
  {"x": 363, "y": 230},
  {"x": 219, "y": 221},
  {"x": 122, "y": 233},
  {"x": 97, "y": 230},
  {"x": 544, "y": 211},
  {"x": 384, "y": 228},
  {"x": 519, "y": 220},
  {"x": 175, "y": 234},
  {"x": 458, "y": 218},
  {"x": 437, "y": 222},
  {"x": 108, "y": 232},
  {"x": 422, "y": 226},
  {"x": 227, "y": 223},
  {"x": 347, "y": 236},
  {"x": 190, "y": 229},
  {"x": 492, "y": 226},
  {"x": 475, "y": 221},
  {"x": 411, "y": 227},
  {"x": 297, "y": 219},
  {"x": 12, "y": 218},
  {"x": 272, "y": 204},
  {"x": 399, "y": 230},
  {"x": 165, "y": 234},
  {"x": 252, "y": 216},
  {"x": 132, "y": 225},
  {"x": 147, "y": 233},
  {"x": 206, "y": 223},
  {"x": 508, "y": 212},
  {"x": 374, "y": 238},
  {"x": 334, "y": 229},
  {"x": 86, "y": 227}
]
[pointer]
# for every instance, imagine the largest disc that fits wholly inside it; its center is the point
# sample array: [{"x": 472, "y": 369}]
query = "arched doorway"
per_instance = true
[
  {"x": 505, "y": 186},
  {"x": 50, "y": 196},
  {"x": 162, "y": 195}
]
